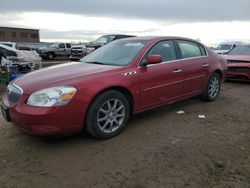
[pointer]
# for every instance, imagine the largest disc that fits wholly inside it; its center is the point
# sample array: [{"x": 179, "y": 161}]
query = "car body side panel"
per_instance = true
[
  {"x": 159, "y": 84},
  {"x": 195, "y": 73}
]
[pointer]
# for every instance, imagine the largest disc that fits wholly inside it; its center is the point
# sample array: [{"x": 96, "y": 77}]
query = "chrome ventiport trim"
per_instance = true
[{"x": 129, "y": 73}]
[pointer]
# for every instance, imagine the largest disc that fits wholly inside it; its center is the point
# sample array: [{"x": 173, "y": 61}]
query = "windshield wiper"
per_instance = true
[
  {"x": 98, "y": 63},
  {"x": 95, "y": 62}
]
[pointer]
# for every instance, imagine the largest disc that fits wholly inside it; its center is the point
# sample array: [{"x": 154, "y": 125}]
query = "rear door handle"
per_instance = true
[
  {"x": 177, "y": 71},
  {"x": 205, "y": 65}
]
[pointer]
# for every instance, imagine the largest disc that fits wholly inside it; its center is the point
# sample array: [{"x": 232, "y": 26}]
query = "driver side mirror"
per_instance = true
[{"x": 152, "y": 59}]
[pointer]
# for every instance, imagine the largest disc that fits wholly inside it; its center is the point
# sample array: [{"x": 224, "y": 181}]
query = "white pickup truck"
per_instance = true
[{"x": 55, "y": 50}]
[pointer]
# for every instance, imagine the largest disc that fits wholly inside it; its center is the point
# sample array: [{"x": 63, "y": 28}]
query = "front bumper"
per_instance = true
[
  {"x": 236, "y": 76},
  {"x": 41, "y": 121}
]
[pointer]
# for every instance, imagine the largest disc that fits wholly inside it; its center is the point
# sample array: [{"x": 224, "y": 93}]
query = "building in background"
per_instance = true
[{"x": 23, "y": 35}]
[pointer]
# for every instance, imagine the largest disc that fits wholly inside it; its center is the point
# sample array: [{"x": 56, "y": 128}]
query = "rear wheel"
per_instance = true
[
  {"x": 212, "y": 89},
  {"x": 107, "y": 115}
]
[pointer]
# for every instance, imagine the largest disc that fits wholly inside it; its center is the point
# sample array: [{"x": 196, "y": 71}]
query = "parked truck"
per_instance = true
[{"x": 55, "y": 50}]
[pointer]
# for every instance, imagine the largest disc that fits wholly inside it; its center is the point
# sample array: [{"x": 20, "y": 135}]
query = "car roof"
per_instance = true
[
  {"x": 231, "y": 43},
  {"x": 156, "y": 38},
  {"x": 118, "y": 35}
]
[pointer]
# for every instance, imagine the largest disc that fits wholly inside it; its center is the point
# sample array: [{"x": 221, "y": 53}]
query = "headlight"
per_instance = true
[{"x": 55, "y": 96}]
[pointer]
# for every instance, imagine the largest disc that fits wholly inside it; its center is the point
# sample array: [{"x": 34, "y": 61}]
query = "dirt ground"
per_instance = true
[{"x": 158, "y": 148}]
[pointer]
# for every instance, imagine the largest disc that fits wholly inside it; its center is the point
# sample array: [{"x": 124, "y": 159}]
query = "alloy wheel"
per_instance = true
[
  {"x": 214, "y": 86},
  {"x": 111, "y": 115}
]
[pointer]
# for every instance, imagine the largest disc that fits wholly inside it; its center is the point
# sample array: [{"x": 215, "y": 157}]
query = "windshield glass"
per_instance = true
[
  {"x": 120, "y": 53},
  {"x": 102, "y": 40},
  {"x": 224, "y": 47},
  {"x": 8, "y": 44},
  {"x": 240, "y": 50}
]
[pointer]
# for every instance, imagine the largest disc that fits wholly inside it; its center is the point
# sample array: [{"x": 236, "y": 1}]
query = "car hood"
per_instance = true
[
  {"x": 237, "y": 57},
  {"x": 59, "y": 75},
  {"x": 239, "y": 65}
]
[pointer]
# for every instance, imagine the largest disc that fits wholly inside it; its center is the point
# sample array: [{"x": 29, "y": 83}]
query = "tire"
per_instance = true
[
  {"x": 51, "y": 56},
  {"x": 212, "y": 89},
  {"x": 107, "y": 115}
]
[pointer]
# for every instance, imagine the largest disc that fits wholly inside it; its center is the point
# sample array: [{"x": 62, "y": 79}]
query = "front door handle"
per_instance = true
[
  {"x": 177, "y": 71},
  {"x": 205, "y": 65}
]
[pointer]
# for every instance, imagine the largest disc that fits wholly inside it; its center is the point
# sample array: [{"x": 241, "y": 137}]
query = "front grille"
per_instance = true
[
  {"x": 14, "y": 93},
  {"x": 40, "y": 129},
  {"x": 239, "y": 69}
]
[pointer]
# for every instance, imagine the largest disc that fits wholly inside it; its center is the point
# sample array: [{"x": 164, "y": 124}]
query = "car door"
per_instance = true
[
  {"x": 68, "y": 48},
  {"x": 160, "y": 83},
  {"x": 195, "y": 66},
  {"x": 61, "y": 49}
]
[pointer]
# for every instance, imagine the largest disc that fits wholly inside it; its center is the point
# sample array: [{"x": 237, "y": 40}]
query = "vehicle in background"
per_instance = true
[
  {"x": 104, "y": 40},
  {"x": 225, "y": 47},
  {"x": 55, "y": 50},
  {"x": 102, "y": 91},
  {"x": 238, "y": 63},
  {"x": 26, "y": 46},
  {"x": 14, "y": 63},
  {"x": 11, "y": 44},
  {"x": 77, "y": 52},
  {"x": 33, "y": 46}
]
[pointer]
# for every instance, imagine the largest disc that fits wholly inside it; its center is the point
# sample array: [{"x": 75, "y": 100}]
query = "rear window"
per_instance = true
[
  {"x": 189, "y": 49},
  {"x": 68, "y": 45}
]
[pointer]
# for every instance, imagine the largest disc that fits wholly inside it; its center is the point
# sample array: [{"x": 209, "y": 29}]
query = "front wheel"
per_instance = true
[
  {"x": 51, "y": 56},
  {"x": 212, "y": 89},
  {"x": 107, "y": 115}
]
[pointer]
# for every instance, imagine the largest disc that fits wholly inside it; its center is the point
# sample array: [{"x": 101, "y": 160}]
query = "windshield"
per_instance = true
[
  {"x": 7, "y": 44},
  {"x": 102, "y": 40},
  {"x": 240, "y": 50},
  {"x": 120, "y": 53},
  {"x": 224, "y": 47}
]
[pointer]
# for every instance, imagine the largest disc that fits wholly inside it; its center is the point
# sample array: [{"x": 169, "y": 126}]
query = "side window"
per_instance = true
[
  {"x": 203, "y": 51},
  {"x": 61, "y": 45},
  {"x": 68, "y": 45},
  {"x": 189, "y": 49},
  {"x": 166, "y": 49}
]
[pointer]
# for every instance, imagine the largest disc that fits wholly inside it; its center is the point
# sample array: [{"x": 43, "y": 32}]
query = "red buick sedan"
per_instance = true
[{"x": 102, "y": 91}]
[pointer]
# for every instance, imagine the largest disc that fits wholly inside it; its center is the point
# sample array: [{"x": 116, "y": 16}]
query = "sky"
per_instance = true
[{"x": 210, "y": 21}]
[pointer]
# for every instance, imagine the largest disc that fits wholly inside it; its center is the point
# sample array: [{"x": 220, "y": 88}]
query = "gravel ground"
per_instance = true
[{"x": 158, "y": 148}]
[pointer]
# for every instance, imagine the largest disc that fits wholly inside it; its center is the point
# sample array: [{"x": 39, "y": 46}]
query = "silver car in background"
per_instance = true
[{"x": 78, "y": 52}]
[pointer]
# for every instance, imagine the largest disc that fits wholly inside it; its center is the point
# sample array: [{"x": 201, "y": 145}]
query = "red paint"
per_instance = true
[{"x": 239, "y": 70}]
